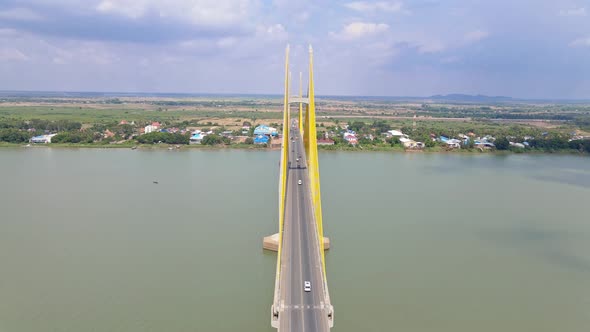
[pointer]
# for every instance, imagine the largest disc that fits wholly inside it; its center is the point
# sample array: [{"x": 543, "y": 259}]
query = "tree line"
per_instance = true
[
  {"x": 41, "y": 125},
  {"x": 160, "y": 137}
]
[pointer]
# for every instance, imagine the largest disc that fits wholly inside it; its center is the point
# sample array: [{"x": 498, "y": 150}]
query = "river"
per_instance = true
[{"x": 420, "y": 242}]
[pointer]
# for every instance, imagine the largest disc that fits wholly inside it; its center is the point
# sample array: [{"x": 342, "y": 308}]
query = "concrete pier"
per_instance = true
[{"x": 271, "y": 242}]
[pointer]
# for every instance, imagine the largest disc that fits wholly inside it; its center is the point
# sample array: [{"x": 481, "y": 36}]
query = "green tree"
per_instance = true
[
  {"x": 338, "y": 140},
  {"x": 502, "y": 143},
  {"x": 125, "y": 130},
  {"x": 73, "y": 137},
  {"x": 429, "y": 143},
  {"x": 168, "y": 138},
  {"x": 365, "y": 141},
  {"x": 381, "y": 126},
  {"x": 394, "y": 141},
  {"x": 13, "y": 135},
  {"x": 356, "y": 126},
  {"x": 212, "y": 139}
]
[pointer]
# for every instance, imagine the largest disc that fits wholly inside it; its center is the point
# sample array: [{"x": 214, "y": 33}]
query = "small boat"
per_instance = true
[
  {"x": 133, "y": 147},
  {"x": 155, "y": 182}
]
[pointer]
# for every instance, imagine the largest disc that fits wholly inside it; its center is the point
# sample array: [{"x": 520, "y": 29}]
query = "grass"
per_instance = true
[{"x": 91, "y": 115}]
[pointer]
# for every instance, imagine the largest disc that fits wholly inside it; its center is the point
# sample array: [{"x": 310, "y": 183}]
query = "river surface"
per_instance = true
[{"x": 420, "y": 242}]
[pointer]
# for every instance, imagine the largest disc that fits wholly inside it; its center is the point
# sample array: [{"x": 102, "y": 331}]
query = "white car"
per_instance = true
[
  {"x": 299, "y": 182},
  {"x": 307, "y": 286}
]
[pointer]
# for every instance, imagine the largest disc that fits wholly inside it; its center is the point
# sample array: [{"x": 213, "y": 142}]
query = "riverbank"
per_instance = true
[{"x": 394, "y": 149}]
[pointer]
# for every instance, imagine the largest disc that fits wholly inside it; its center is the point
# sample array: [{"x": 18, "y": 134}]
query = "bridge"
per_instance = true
[{"x": 300, "y": 242}]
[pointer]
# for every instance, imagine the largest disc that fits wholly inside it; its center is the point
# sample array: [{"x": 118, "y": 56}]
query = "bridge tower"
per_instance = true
[
  {"x": 307, "y": 126},
  {"x": 311, "y": 150}
]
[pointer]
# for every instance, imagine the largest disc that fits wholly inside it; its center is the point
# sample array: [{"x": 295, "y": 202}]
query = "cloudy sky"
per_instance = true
[{"x": 518, "y": 48}]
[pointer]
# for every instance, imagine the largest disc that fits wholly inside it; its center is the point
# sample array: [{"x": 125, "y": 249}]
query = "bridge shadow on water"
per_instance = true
[{"x": 549, "y": 245}]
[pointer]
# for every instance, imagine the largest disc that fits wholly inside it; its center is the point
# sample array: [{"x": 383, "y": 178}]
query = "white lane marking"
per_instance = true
[{"x": 301, "y": 306}]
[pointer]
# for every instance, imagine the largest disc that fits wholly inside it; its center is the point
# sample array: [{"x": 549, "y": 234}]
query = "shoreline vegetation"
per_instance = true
[
  {"x": 345, "y": 124},
  {"x": 165, "y": 147}
]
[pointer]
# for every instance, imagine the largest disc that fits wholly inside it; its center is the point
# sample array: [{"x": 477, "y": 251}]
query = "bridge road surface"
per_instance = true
[{"x": 300, "y": 310}]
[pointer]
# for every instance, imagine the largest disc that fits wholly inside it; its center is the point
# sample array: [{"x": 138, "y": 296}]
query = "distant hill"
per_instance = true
[{"x": 472, "y": 98}]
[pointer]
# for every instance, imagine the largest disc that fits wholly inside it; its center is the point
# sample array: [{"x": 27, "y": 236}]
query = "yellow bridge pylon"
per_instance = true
[
  {"x": 307, "y": 126},
  {"x": 311, "y": 150}
]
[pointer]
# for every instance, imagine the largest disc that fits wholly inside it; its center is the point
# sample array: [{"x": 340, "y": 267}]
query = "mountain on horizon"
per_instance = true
[{"x": 471, "y": 98}]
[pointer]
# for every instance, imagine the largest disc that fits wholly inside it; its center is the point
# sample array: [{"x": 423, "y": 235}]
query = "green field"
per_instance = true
[
  {"x": 89, "y": 121},
  {"x": 97, "y": 115}
]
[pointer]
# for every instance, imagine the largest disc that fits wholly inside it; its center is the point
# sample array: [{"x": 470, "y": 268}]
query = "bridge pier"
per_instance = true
[
  {"x": 271, "y": 242},
  {"x": 274, "y": 320}
]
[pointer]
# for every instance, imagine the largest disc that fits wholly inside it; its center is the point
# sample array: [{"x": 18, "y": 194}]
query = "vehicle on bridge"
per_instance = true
[{"x": 307, "y": 286}]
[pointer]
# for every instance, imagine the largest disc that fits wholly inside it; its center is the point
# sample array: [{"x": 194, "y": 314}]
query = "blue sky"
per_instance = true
[{"x": 519, "y": 48}]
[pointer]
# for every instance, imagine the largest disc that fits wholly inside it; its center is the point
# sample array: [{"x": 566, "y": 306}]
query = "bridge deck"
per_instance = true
[{"x": 300, "y": 259}]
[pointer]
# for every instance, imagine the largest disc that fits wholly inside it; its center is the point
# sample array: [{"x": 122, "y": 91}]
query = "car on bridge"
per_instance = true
[
  {"x": 299, "y": 182},
  {"x": 307, "y": 286}
]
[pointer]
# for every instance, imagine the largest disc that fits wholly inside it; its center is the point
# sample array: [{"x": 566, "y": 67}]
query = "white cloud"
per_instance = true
[
  {"x": 580, "y": 42},
  {"x": 133, "y": 9},
  {"x": 73, "y": 52},
  {"x": 197, "y": 12},
  {"x": 450, "y": 59},
  {"x": 96, "y": 53},
  {"x": 264, "y": 37},
  {"x": 357, "y": 30},
  {"x": 573, "y": 12},
  {"x": 365, "y": 6},
  {"x": 273, "y": 32},
  {"x": 227, "y": 42},
  {"x": 12, "y": 54},
  {"x": 21, "y": 14},
  {"x": 431, "y": 47},
  {"x": 302, "y": 16},
  {"x": 475, "y": 36},
  {"x": 7, "y": 32}
]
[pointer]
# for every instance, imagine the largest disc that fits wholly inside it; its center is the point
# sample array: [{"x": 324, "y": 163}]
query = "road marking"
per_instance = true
[
  {"x": 305, "y": 222},
  {"x": 301, "y": 306}
]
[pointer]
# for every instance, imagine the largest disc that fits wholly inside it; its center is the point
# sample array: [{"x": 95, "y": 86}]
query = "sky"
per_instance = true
[{"x": 517, "y": 48}]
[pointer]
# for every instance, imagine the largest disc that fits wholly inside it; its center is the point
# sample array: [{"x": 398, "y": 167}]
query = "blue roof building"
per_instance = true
[
  {"x": 42, "y": 138},
  {"x": 265, "y": 130},
  {"x": 261, "y": 139},
  {"x": 197, "y": 138}
]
